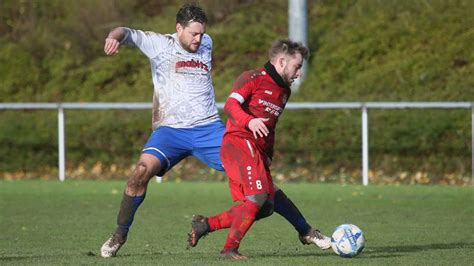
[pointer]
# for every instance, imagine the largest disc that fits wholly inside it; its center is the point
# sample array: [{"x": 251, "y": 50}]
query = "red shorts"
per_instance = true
[{"x": 246, "y": 168}]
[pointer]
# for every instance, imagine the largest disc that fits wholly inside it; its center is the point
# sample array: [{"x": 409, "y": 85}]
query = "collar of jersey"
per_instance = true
[{"x": 274, "y": 75}]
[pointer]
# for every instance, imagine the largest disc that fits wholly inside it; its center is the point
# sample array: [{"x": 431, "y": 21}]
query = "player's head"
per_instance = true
[
  {"x": 190, "y": 26},
  {"x": 287, "y": 58}
]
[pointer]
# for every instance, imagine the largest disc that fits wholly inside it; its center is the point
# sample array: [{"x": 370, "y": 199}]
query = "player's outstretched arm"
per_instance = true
[{"x": 112, "y": 42}]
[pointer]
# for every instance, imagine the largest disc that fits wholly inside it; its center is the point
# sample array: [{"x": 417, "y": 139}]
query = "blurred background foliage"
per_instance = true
[{"x": 362, "y": 50}]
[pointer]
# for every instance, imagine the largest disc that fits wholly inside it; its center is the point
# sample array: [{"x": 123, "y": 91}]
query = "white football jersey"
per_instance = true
[{"x": 183, "y": 92}]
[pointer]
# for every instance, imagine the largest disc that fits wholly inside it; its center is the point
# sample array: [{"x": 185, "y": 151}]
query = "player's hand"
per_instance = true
[
  {"x": 111, "y": 46},
  {"x": 258, "y": 127}
]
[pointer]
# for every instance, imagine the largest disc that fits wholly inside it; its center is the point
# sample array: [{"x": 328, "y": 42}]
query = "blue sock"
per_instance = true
[
  {"x": 285, "y": 207},
  {"x": 127, "y": 212}
]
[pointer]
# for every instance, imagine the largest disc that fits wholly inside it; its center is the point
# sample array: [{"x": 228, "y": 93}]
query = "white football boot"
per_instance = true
[
  {"x": 112, "y": 246},
  {"x": 314, "y": 236}
]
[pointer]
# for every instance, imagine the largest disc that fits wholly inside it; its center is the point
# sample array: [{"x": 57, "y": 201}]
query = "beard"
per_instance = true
[
  {"x": 189, "y": 47},
  {"x": 287, "y": 78}
]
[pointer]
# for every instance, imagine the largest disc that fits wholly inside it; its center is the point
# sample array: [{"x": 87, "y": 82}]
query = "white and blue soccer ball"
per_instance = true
[{"x": 347, "y": 240}]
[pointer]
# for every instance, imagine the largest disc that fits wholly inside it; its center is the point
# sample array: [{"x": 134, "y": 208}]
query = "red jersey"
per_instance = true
[{"x": 259, "y": 93}]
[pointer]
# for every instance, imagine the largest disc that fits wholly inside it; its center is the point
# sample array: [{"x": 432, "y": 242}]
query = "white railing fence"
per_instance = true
[{"x": 363, "y": 106}]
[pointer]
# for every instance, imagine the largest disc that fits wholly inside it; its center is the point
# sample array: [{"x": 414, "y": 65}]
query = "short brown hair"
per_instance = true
[
  {"x": 287, "y": 47},
  {"x": 190, "y": 12}
]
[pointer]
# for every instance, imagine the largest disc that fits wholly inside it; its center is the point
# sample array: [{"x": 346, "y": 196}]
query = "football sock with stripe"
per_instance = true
[
  {"x": 128, "y": 207},
  {"x": 241, "y": 223},
  {"x": 285, "y": 207}
]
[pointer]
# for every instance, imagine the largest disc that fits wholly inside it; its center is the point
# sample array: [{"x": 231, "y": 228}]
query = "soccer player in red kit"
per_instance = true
[{"x": 257, "y": 100}]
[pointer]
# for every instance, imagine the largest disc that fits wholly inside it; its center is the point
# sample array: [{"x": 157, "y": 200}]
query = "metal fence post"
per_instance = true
[
  {"x": 365, "y": 146},
  {"x": 298, "y": 31},
  {"x": 472, "y": 143},
  {"x": 61, "y": 146}
]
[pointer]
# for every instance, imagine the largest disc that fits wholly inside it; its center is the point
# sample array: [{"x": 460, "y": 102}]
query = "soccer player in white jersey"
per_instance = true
[{"x": 185, "y": 118}]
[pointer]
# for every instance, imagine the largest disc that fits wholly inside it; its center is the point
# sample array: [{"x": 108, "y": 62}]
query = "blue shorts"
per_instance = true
[{"x": 171, "y": 145}]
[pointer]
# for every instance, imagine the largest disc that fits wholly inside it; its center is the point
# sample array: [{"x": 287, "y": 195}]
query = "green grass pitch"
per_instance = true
[{"x": 49, "y": 222}]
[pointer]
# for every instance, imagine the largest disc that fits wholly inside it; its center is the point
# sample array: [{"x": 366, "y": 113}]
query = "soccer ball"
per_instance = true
[{"x": 347, "y": 240}]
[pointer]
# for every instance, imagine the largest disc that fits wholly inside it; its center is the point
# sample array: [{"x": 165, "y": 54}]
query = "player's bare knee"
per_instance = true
[{"x": 140, "y": 177}]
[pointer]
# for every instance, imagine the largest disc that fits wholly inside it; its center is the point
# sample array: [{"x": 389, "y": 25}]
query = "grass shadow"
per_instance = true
[
  {"x": 418, "y": 248},
  {"x": 18, "y": 258}
]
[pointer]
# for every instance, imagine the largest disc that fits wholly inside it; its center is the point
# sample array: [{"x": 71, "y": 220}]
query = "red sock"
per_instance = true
[
  {"x": 241, "y": 223},
  {"x": 223, "y": 220}
]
